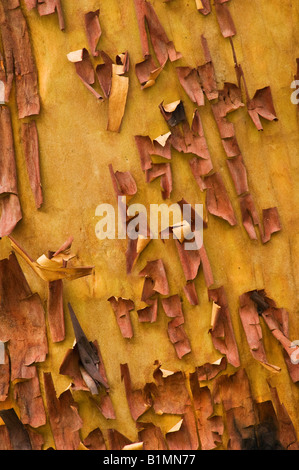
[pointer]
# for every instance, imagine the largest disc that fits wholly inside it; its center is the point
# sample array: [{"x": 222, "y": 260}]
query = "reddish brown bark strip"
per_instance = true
[
  {"x": 277, "y": 320},
  {"x": 84, "y": 69},
  {"x": 238, "y": 173},
  {"x": 218, "y": 202},
  {"x": 63, "y": 415},
  {"x": 229, "y": 99},
  {"x": 93, "y": 31},
  {"x": 22, "y": 320},
  {"x": 28, "y": 397},
  {"x": 200, "y": 168},
  {"x": 138, "y": 401},
  {"x": 191, "y": 294},
  {"x": 122, "y": 308},
  {"x": 224, "y": 19},
  {"x": 149, "y": 313},
  {"x": 210, "y": 426},
  {"x": 47, "y": 7},
  {"x": 222, "y": 329},
  {"x": 11, "y": 214},
  {"x": 261, "y": 105},
  {"x": 253, "y": 331},
  {"x": 250, "y": 216},
  {"x": 71, "y": 366},
  {"x": 190, "y": 82},
  {"x": 17, "y": 48},
  {"x": 203, "y": 6},
  {"x": 104, "y": 73},
  {"x": 8, "y": 175},
  {"x": 29, "y": 138},
  {"x": 206, "y": 73},
  {"x": 163, "y": 170},
  {"x": 162, "y": 46},
  {"x": 155, "y": 271},
  {"x": 173, "y": 308},
  {"x": 271, "y": 223},
  {"x": 123, "y": 182},
  {"x": 169, "y": 392},
  {"x": 209, "y": 371}
]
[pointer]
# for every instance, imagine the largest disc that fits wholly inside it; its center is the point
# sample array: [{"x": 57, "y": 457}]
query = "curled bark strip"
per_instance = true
[
  {"x": 271, "y": 223},
  {"x": 117, "y": 100},
  {"x": 53, "y": 268},
  {"x": 203, "y": 6},
  {"x": 84, "y": 69},
  {"x": 261, "y": 105}
]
